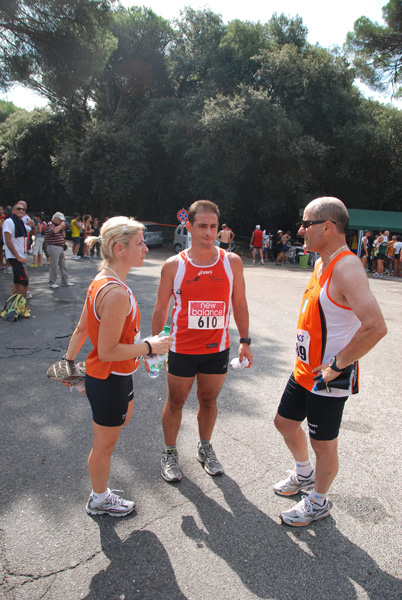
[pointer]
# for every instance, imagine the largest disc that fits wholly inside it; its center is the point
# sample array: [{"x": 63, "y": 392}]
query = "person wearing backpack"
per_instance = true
[{"x": 14, "y": 237}]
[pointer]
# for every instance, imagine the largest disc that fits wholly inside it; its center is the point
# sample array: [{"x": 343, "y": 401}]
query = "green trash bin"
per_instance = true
[{"x": 303, "y": 261}]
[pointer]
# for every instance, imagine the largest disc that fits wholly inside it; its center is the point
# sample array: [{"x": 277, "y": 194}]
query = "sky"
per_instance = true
[{"x": 327, "y": 24}]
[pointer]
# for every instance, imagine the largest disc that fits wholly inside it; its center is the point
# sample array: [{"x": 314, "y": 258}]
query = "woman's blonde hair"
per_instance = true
[{"x": 114, "y": 230}]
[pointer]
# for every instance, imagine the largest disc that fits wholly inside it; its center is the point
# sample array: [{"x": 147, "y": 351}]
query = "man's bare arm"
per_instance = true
[
  {"x": 349, "y": 287},
  {"x": 165, "y": 290},
  {"x": 240, "y": 307}
]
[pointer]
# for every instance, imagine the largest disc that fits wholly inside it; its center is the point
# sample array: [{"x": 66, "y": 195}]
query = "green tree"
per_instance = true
[
  {"x": 101, "y": 171},
  {"x": 193, "y": 56},
  {"x": 377, "y": 49},
  {"x": 55, "y": 47},
  {"x": 28, "y": 143},
  {"x": 137, "y": 70},
  {"x": 253, "y": 159},
  {"x": 7, "y": 109}
]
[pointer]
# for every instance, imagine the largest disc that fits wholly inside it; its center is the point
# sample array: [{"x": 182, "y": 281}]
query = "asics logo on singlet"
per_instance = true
[
  {"x": 300, "y": 337},
  {"x": 204, "y": 273}
]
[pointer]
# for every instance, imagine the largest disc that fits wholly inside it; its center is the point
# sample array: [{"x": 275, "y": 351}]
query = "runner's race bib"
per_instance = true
[
  {"x": 303, "y": 345},
  {"x": 206, "y": 315}
]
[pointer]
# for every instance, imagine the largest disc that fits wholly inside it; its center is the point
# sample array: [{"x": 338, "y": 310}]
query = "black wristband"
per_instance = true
[{"x": 149, "y": 347}]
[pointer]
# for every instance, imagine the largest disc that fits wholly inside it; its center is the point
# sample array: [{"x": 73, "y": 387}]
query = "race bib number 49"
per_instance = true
[
  {"x": 206, "y": 315},
  {"x": 303, "y": 345}
]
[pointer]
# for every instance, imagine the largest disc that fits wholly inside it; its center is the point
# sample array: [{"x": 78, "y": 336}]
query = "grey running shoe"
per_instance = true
[
  {"x": 294, "y": 484},
  {"x": 305, "y": 512},
  {"x": 170, "y": 470},
  {"x": 206, "y": 455},
  {"x": 67, "y": 370},
  {"x": 114, "y": 506}
]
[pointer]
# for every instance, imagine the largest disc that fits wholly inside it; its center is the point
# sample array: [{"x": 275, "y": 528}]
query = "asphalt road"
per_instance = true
[{"x": 204, "y": 538}]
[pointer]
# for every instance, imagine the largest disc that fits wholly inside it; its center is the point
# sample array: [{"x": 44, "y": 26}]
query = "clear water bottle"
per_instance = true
[{"x": 156, "y": 362}]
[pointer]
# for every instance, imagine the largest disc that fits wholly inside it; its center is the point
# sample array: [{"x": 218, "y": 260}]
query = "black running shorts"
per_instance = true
[
  {"x": 324, "y": 414},
  {"x": 19, "y": 272},
  {"x": 188, "y": 365},
  {"x": 109, "y": 398}
]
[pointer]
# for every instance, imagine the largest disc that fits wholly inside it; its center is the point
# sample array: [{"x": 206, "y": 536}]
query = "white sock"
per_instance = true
[
  {"x": 99, "y": 498},
  {"x": 320, "y": 499},
  {"x": 304, "y": 469}
]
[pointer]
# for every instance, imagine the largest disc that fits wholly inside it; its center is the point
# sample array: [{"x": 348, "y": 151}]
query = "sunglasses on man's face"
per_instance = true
[
  {"x": 19, "y": 208},
  {"x": 307, "y": 224}
]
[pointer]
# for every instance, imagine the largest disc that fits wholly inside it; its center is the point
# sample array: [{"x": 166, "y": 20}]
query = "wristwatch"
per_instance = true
[
  {"x": 245, "y": 341},
  {"x": 332, "y": 365}
]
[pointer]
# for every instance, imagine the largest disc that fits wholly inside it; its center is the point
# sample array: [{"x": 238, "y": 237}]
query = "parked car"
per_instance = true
[
  {"x": 152, "y": 235},
  {"x": 180, "y": 239}
]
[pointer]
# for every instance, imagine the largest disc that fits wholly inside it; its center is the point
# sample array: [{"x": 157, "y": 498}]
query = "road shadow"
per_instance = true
[
  {"x": 276, "y": 561},
  {"x": 139, "y": 567}
]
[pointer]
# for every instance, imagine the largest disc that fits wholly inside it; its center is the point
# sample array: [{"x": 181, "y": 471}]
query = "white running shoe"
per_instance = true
[
  {"x": 305, "y": 512},
  {"x": 294, "y": 484},
  {"x": 114, "y": 506}
]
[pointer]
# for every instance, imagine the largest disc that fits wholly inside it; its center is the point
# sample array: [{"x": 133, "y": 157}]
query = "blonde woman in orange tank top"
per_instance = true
[{"x": 111, "y": 319}]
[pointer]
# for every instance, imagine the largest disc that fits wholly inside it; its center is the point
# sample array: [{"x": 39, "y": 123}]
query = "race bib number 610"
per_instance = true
[
  {"x": 206, "y": 315},
  {"x": 303, "y": 345}
]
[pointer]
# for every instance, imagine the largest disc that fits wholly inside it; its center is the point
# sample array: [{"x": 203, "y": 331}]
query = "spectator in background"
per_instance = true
[
  {"x": 30, "y": 227},
  {"x": 87, "y": 229},
  {"x": 389, "y": 261},
  {"x": 381, "y": 247},
  {"x": 37, "y": 246},
  {"x": 397, "y": 256},
  {"x": 225, "y": 237},
  {"x": 75, "y": 227},
  {"x": 285, "y": 247},
  {"x": 277, "y": 246},
  {"x": 95, "y": 232},
  {"x": 14, "y": 238},
  {"x": 364, "y": 250},
  {"x": 55, "y": 239},
  {"x": 370, "y": 251},
  {"x": 267, "y": 245},
  {"x": 257, "y": 242}
]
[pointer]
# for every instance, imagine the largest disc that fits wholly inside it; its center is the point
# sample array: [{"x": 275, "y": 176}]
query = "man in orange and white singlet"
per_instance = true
[
  {"x": 205, "y": 282},
  {"x": 339, "y": 322}
]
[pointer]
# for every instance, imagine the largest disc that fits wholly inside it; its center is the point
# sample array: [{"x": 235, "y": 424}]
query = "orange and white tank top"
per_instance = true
[
  {"x": 201, "y": 313},
  {"x": 324, "y": 328},
  {"x": 130, "y": 334}
]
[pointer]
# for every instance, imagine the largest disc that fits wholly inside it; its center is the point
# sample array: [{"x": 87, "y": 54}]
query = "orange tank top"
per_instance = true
[
  {"x": 201, "y": 313},
  {"x": 130, "y": 334},
  {"x": 324, "y": 328}
]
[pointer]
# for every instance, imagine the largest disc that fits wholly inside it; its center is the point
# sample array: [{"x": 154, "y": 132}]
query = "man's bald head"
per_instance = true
[{"x": 330, "y": 209}]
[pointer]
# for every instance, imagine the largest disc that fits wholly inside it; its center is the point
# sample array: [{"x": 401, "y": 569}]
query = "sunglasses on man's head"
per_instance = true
[{"x": 307, "y": 224}]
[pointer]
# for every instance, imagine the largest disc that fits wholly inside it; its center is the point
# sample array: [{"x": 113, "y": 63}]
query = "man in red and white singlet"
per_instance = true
[
  {"x": 339, "y": 322},
  {"x": 205, "y": 282}
]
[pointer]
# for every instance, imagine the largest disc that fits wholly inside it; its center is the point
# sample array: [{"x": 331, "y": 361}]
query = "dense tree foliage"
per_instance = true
[
  {"x": 147, "y": 116},
  {"x": 377, "y": 49}
]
